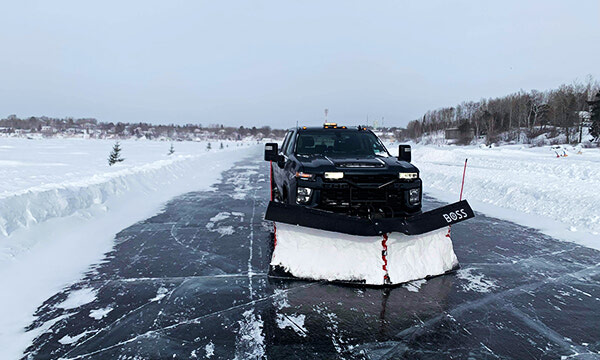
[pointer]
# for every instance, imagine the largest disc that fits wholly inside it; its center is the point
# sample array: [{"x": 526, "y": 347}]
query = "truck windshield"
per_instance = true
[{"x": 339, "y": 143}]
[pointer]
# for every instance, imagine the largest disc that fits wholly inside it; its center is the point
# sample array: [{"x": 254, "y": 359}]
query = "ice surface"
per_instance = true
[{"x": 323, "y": 255}]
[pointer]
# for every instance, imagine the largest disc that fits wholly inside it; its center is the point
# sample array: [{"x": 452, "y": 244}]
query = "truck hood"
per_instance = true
[{"x": 370, "y": 164}]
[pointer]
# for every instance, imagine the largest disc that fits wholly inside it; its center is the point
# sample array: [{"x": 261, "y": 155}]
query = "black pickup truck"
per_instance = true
[
  {"x": 344, "y": 170},
  {"x": 343, "y": 179}
]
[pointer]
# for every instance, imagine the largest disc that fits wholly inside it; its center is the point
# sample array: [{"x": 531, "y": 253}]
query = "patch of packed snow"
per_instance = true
[
  {"x": 160, "y": 294},
  {"x": 529, "y": 186},
  {"x": 475, "y": 282},
  {"x": 280, "y": 299},
  {"x": 242, "y": 184},
  {"x": 220, "y": 216},
  {"x": 210, "y": 350},
  {"x": 225, "y": 230},
  {"x": 250, "y": 343},
  {"x": 295, "y": 322},
  {"x": 78, "y": 298},
  {"x": 67, "y": 340},
  {"x": 61, "y": 206},
  {"x": 100, "y": 313}
]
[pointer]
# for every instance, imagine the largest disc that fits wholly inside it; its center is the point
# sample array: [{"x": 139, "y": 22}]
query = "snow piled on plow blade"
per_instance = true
[{"x": 323, "y": 255}]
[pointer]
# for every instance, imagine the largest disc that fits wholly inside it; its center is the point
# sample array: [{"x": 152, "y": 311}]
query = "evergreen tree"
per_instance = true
[
  {"x": 208, "y": 147},
  {"x": 595, "y": 116},
  {"x": 221, "y": 145},
  {"x": 115, "y": 155},
  {"x": 171, "y": 150}
]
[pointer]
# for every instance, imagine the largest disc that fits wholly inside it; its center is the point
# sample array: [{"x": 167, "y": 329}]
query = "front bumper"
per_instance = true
[{"x": 391, "y": 195}]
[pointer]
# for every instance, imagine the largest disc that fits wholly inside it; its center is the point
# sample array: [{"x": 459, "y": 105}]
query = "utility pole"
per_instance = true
[{"x": 326, "y": 112}]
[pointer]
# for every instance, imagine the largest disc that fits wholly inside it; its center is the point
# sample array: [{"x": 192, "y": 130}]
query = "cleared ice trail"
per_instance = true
[
  {"x": 414, "y": 331},
  {"x": 190, "y": 321},
  {"x": 168, "y": 300}
]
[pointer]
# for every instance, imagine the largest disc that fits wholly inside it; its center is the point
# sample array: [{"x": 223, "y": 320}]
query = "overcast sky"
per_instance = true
[{"x": 277, "y": 62}]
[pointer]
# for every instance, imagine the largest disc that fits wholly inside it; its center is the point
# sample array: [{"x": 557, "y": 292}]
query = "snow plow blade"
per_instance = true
[{"x": 353, "y": 225}]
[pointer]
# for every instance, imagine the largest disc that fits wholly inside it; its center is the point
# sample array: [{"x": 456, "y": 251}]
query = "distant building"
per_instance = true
[{"x": 455, "y": 134}]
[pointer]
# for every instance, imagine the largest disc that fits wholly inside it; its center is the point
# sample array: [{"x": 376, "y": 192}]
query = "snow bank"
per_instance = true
[
  {"x": 529, "y": 186},
  {"x": 323, "y": 255},
  {"x": 57, "y": 220}
]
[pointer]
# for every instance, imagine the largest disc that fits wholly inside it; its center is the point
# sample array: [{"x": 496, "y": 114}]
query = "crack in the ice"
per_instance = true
[
  {"x": 251, "y": 238},
  {"x": 527, "y": 259},
  {"x": 174, "y": 278},
  {"x": 546, "y": 331},
  {"x": 417, "y": 330},
  {"x": 187, "y": 322}
]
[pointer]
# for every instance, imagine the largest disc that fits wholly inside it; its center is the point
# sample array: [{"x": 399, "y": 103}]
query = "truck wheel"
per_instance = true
[
  {"x": 284, "y": 197},
  {"x": 274, "y": 192}
]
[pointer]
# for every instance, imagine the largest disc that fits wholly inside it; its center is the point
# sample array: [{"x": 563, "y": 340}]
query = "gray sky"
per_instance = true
[{"x": 278, "y": 62}]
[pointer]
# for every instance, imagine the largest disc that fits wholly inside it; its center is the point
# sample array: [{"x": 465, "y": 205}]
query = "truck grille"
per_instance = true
[
  {"x": 352, "y": 195},
  {"x": 371, "y": 179}
]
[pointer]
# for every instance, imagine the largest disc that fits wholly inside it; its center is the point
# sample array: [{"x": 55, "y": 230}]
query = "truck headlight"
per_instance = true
[
  {"x": 414, "y": 196},
  {"x": 408, "y": 176},
  {"x": 334, "y": 175},
  {"x": 303, "y": 195}
]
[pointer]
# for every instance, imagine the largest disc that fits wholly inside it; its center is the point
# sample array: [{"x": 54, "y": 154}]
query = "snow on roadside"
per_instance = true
[
  {"x": 529, "y": 186},
  {"x": 55, "y": 221}
]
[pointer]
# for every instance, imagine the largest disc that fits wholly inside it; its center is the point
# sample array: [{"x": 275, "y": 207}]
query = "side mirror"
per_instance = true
[
  {"x": 271, "y": 152},
  {"x": 404, "y": 153}
]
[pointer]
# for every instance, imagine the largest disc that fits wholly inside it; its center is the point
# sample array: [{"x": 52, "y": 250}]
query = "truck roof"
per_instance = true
[{"x": 332, "y": 127}]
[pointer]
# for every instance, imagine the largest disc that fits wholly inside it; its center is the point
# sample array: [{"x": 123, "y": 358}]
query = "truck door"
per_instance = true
[{"x": 279, "y": 168}]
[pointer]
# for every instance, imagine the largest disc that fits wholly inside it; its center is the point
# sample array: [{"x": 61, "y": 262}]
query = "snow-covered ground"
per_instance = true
[
  {"x": 529, "y": 186},
  {"x": 61, "y": 206}
]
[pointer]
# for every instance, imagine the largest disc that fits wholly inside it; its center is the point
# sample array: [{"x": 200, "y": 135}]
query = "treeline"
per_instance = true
[
  {"x": 516, "y": 117},
  {"x": 37, "y": 124}
]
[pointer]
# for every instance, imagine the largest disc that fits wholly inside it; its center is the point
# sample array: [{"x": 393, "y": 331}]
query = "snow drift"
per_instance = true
[{"x": 529, "y": 186}]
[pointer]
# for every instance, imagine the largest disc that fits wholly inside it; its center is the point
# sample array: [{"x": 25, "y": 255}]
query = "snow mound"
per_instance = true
[
  {"x": 529, "y": 186},
  {"x": 26, "y": 208}
]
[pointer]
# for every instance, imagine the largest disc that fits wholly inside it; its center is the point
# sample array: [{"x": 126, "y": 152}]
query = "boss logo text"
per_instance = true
[{"x": 455, "y": 215}]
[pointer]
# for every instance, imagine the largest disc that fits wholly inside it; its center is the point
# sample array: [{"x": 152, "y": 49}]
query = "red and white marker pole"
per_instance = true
[{"x": 462, "y": 186}]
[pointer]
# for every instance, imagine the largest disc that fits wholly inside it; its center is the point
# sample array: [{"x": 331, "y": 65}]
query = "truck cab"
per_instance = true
[{"x": 344, "y": 170}]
